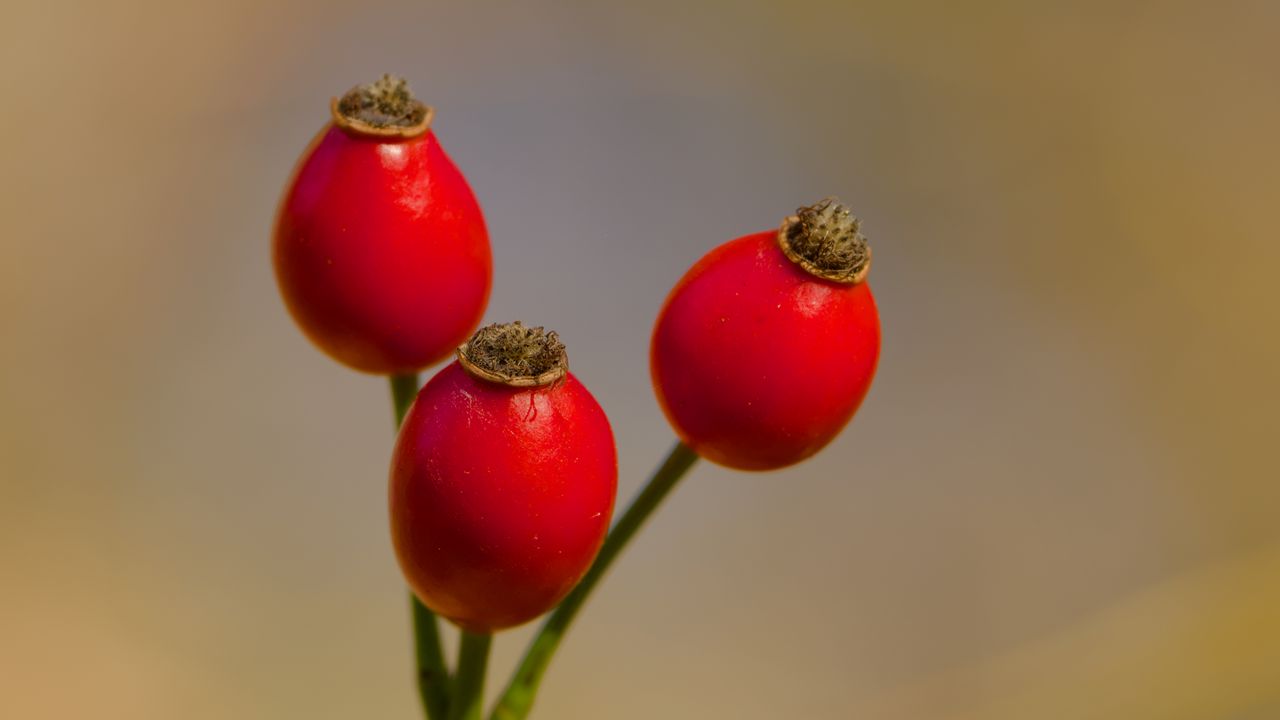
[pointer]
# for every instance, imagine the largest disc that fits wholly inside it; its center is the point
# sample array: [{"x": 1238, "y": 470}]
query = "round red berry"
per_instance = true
[
  {"x": 766, "y": 347},
  {"x": 380, "y": 247},
  {"x": 502, "y": 481}
]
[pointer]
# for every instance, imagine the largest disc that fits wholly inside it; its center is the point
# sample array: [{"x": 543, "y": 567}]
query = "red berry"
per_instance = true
[
  {"x": 380, "y": 248},
  {"x": 502, "y": 481},
  {"x": 766, "y": 347}
]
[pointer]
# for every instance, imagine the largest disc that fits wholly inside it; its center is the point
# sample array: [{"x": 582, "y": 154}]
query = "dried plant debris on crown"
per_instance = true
[
  {"x": 515, "y": 350},
  {"x": 384, "y": 103},
  {"x": 826, "y": 236}
]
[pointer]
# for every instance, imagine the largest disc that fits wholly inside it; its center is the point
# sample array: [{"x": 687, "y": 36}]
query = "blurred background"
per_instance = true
[{"x": 1059, "y": 501}]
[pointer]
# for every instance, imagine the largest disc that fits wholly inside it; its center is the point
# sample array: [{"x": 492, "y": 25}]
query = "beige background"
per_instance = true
[{"x": 1060, "y": 500}]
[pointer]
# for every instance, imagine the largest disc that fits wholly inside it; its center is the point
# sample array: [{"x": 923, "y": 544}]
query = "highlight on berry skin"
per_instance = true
[{"x": 766, "y": 347}]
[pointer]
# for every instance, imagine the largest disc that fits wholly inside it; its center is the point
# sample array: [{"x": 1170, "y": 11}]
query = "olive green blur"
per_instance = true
[{"x": 1060, "y": 499}]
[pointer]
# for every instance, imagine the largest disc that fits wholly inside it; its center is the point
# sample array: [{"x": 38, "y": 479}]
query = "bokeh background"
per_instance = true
[{"x": 1059, "y": 501}]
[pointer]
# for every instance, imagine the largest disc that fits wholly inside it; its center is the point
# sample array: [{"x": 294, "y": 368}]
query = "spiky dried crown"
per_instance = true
[
  {"x": 385, "y": 103},
  {"x": 514, "y": 354},
  {"x": 824, "y": 239}
]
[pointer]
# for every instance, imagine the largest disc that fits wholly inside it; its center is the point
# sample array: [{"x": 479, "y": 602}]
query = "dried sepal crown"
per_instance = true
[
  {"x": 386, "y": 102},
  {"x": 515, "y": 354},
  {"x": 384, "y": 108},
  {"x": 823, "y": 238}
]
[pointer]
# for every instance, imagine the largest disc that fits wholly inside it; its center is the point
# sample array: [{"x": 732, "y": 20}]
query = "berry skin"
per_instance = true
[
  {"x": 380, "y": 248},
  {"x": 501, "y": 489},
  {"x": 766, "y": 347}
]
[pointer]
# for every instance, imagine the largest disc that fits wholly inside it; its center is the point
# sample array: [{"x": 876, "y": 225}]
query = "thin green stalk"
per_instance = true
[
  {"x": 473, "y": 659},
  {"x": 404, "y": 388},
  {"x": 517, "y": 700},
  {"x": 433, "y": 676}
]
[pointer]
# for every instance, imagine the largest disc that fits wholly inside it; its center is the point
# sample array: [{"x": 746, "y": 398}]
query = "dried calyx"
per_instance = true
[
  {"x": 823, "y": 239},
  {"x": 385, "y": 107},
  {"x": 515, "y": 355}
]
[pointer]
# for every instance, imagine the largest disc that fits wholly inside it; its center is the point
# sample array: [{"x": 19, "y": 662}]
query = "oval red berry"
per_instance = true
[
  {"x": 758, "y": 363},
  {"x": 500, "y": 496}
]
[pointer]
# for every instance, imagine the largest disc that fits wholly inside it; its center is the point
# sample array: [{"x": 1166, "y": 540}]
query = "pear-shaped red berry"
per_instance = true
[{"x": 380, "y": 247}]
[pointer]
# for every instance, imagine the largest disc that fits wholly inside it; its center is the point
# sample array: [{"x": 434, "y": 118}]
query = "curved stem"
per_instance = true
[
  {"x": 517, "y": 700},
  {"x": 473, "y": 659},
  {"x": 433, "y": 676}
]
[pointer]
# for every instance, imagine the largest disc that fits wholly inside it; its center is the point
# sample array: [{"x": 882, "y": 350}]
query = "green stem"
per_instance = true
[
  {"x": 468, "y": 695},
  {"x": 404, "y": 388},
  {"x": 433, "y": 676},
  {"x": 517, "y": 700}
]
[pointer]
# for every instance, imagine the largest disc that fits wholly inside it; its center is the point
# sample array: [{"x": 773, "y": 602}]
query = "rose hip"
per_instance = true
[
  {"x": 766, "y": 347},
  {"x": 502, "y": 481},
  {"x": 380, "y": 247}
]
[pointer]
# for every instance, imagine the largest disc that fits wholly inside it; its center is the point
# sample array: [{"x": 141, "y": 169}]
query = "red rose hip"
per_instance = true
[
  {"x": 380, "y": 247},
  {"x": 766, "y": 347},
  {"x": 502, "y": 481}
]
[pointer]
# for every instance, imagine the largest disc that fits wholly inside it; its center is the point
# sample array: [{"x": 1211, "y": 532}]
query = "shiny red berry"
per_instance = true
[
  {"x": 380, "y": 247},
  {"x": 502, "y": 481},
  {"x": 766, "y": 347}
]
